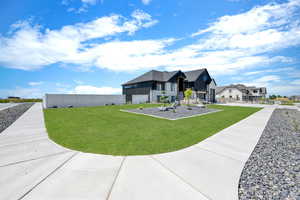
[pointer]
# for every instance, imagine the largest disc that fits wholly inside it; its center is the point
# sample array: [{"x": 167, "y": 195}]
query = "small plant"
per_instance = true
[
  {"x": 164, "y": 99},
  {"x": 141, "y": 107},
  {"x": 174, "y": 111}
]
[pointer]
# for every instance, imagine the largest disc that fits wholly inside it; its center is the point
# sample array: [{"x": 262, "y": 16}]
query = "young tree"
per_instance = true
[
  {"x": 164, "y": 98},
  {"x": 188, "y": 93}
]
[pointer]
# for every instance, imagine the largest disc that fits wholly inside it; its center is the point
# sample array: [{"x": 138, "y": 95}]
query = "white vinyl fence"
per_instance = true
[
  {"x": 136, "y": 99},
  {"x": 81, "y": 100}
]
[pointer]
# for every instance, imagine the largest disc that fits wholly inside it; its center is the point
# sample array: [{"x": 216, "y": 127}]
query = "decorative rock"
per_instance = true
[
  {"x": 10, "y": 115},
  {"x": 272, "y": 171}
]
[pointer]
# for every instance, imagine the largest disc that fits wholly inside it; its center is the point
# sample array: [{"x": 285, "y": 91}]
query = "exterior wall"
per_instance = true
[
  {"x": 136, "y": 99},
  {"x": 202, "y": 81},
  {"x": 211, "y": 88},
  {"x": 81, "y": 100},
  {"x": 167, "y": 92},
  {"x": 236, "y": 95},
  {"x": 142, "y": 88},
  {"x": 155, "y": 93},
  {"x": 257, "y": 93}
]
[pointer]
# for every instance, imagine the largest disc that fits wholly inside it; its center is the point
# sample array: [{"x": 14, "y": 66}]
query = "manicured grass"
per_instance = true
[{"x": 106, "y": 130}]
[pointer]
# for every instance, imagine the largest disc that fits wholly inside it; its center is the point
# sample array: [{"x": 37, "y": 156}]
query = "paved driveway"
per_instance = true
[{"x": 34, "y": 167}]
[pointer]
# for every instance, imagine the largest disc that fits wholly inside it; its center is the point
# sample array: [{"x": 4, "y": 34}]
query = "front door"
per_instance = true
[
  {"x": 128, "y": 98},
  {"x": 180, "y": 85}
]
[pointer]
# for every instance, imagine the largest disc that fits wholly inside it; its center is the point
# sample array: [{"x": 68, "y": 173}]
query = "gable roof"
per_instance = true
[
  {"x": 193, "y": 75},
  {"x": 219, "y": 89},
  {"x": 164, "y": 76},
  {"x": 214, "y": 81},
  {"x": 153, "y": 75}
]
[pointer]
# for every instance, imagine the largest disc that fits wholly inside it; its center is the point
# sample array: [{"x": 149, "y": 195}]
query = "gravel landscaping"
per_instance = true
[
  {"x": 9, "y": 115},
  {"x": 273, "y": 169},
  {"x": 178, "y": 113}
]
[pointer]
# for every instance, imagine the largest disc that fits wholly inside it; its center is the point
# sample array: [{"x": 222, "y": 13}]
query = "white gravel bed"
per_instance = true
[
  {"x": 273, "y": 169},
  {"x": 179, "y": 113},
  {"x": 11, "y": 114}
]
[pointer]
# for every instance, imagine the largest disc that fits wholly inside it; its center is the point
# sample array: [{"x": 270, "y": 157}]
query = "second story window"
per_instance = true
[{"x": 159, "y": 86}]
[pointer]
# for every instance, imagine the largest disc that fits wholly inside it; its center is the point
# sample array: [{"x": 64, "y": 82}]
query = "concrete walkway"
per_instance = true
[
  {"x": 295, "y": 106},
  {"x": 34, "y": 167}
]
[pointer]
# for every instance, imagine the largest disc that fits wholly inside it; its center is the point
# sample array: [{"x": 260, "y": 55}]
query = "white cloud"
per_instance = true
[
  {"x": 257, "y": 19},
  {"x": 88, "y": 89},
  {"x": 262, "y": 29},
  {"x": 22, "y": 92},
  {"x": 146, "y": 2},
  {"x": 84, "y": 6},
  {"x": 264, "y": 81},
  {"x": 35, "y": 48},
  {"x": 283, "y": 69},
  {"x": 35, "y": 83},
  {"x": 296, "y": 82},
  {"x": 222, "y": 48},
  {"x": 92, "y": 2}
]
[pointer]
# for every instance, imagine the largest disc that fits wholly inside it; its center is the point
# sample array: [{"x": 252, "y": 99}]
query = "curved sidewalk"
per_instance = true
[{"x": 34, "y": 167}]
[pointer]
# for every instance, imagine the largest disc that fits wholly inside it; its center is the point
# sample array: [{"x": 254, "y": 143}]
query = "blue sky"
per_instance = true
[{"x": 93, "y": 46}]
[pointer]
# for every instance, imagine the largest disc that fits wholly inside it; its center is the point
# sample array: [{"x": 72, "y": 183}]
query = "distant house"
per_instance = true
[
  {"x": 240, "y": 92},
  {"x": 295, "y": 98},
  {"x": 154, "y": 84}
]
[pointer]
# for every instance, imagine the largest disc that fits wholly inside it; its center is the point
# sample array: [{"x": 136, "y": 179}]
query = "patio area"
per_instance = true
[{"x": 173, "y": 114}]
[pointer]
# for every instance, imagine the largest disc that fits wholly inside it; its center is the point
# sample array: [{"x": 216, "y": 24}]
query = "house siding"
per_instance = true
[
  {"x": 172, "y": 86},
  {"x": 226, "y": 95}
]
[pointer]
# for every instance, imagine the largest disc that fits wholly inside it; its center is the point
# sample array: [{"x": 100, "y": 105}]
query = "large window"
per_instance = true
[
  {"x": 172, "y": 86},
  {"x": 138, "y": 85}
]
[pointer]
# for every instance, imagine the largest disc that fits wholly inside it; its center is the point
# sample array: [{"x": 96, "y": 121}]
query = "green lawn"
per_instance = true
[{"x": 107, "y": 130}]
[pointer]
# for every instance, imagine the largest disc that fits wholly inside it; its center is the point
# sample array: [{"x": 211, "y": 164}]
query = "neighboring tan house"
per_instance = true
[
  {"x": 239, "y": 92},
  {"x": 155, "y": 84}
]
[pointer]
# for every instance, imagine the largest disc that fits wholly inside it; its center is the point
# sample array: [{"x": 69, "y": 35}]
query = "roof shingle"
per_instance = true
[{"x": 164, "y": 76}]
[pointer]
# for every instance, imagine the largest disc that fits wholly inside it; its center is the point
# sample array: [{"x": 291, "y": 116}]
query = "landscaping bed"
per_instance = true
[
  {"x": 273, "y": 169},
  {"x": 107, "y": 130},
  {"x": 173, "y": 114},
  {"x": 10, "y": 115}
]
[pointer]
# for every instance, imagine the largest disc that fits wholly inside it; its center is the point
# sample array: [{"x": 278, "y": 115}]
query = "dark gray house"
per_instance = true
[{"x": 155, "y": 83}]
